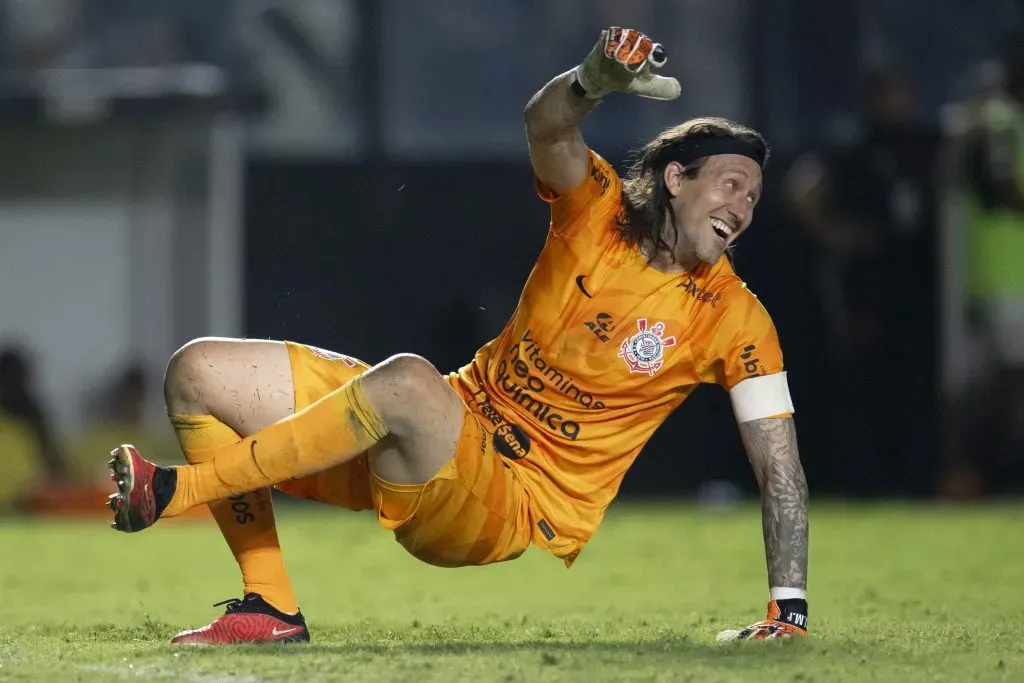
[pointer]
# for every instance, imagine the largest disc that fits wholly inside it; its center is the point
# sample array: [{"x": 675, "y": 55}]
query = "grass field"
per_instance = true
[{"x": 897, "y": 593}]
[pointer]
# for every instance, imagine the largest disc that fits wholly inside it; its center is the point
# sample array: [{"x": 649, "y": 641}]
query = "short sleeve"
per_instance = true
[
  {"x": 597, "y": 196},
  {"x": 747, "y": 341}
]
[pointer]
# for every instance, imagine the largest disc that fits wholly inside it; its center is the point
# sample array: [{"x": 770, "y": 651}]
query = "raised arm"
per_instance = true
[
  {"x": 557, "y": 150},
  {"x": 620, "y": 61}
]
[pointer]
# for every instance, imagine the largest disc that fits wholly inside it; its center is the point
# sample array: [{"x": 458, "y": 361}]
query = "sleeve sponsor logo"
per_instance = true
[
  {"x": 599, "y": 176},
  {"x": 751, "y": 364}
]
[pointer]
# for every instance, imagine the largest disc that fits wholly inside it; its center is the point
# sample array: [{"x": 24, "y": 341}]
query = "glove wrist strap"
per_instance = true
[
  {"x": 581, "y": 87},
  {"x": 791, "y": 611},
  {"x": 577, "y": 88}
]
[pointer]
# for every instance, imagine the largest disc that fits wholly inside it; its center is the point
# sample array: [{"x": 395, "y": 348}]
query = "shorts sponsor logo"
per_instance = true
[
  {"x": 546, "y": 529},
  {"x": 509, "y": 440},
  {"x": 601, "y": 326},
  {"x": 643, "y": 352},
  {"x": 751, "y": 365},
  {"x": 700, "y": 294}
]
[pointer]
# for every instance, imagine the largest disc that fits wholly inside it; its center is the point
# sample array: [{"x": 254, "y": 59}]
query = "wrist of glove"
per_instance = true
[
  {"x": 621, "y": 61},
  {"x": 786, "y": 618}
]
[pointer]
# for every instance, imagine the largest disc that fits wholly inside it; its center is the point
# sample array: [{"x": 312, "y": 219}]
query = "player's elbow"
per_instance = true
[
  {"x": 545, "y": 124},
  {"x": 538, "y": 127}
]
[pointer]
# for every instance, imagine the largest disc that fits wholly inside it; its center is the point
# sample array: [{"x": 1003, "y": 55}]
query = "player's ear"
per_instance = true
[{"x": 674, "y": 177}]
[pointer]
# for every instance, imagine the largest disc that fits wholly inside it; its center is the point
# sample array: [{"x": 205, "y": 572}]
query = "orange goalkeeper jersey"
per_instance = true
[{"x": 600, "y": 350}]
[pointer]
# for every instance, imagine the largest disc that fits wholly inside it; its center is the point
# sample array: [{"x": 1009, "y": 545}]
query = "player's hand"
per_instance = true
[
  {"x": 622, "y": 61},
  {"x": 786, "y": 618}
]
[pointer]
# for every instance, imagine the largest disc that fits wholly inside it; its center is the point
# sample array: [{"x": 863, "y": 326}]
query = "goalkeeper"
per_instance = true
[{"x": 630, "y": 307}]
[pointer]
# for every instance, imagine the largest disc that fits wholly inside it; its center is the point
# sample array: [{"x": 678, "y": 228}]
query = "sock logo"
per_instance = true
[{"x": 240, "y": 506}]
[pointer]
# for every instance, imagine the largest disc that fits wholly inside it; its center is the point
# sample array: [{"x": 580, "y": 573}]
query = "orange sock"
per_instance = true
[
  {"x": 247, "y": 520},
  {"x": 334, "y": 429}
]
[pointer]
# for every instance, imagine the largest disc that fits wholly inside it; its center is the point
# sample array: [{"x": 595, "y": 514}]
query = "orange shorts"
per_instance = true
[{"x": 473, "y": 511}]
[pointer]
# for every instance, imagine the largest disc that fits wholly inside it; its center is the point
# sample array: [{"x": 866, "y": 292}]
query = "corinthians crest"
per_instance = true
[{"x": 643, "y": 351}]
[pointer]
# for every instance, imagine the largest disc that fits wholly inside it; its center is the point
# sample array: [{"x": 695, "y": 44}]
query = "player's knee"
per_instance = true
[
  {"x": 188, "y": 376},
  {"x": 412, "y": 375},
  {"x": 409, "y": 383}
]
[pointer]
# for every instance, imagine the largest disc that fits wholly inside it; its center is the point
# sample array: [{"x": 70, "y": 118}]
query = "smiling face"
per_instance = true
[{"x": 714, "y": 208}]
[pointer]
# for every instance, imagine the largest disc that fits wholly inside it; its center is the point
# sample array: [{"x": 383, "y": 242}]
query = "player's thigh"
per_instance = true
[
  {"x": 249, "y": 384},
  {"x": 472, "y": 511},
  {"x": 246, "y": 384}
]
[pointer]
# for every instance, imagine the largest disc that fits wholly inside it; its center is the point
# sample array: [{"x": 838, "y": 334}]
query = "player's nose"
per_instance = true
[{"x": 739, "y": 214}]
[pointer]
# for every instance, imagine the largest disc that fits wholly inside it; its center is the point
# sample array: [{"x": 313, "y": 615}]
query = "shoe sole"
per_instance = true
[
  {"x": 122, "y": 472},
  {"x": 290, "y": 640}
]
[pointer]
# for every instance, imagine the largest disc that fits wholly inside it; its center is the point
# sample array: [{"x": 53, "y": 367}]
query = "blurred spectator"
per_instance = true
[
  {"x": 117, "y": 412},
  {"x": 19, "y": 403},
  {"x": 122, "y": 402},
  {"x": 990, "y": 455},
  {"x": 868, "y": 207}
]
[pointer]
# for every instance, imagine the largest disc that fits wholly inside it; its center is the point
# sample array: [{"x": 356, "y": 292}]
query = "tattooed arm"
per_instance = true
[
  {"x": 557, "y": 151},
  {"x": 772, "y": 449}
]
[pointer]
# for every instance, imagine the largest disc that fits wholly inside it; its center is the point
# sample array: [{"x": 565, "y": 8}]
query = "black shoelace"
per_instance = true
[{"x": 233, "y": 605}]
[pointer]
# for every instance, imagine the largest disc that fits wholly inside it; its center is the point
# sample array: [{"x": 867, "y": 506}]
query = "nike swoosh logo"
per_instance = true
[
  {"x": 274, "y": 632},
  {"x": 579, "y": 283}
]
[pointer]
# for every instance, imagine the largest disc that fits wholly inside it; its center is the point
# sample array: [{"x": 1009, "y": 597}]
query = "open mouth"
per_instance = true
[{"x": 721, "y": 229}]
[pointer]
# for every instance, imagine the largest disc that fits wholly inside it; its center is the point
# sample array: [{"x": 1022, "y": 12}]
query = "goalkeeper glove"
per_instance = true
[
  {"x": 786, "y": 618},
  {"x": 621, "y": 61}
]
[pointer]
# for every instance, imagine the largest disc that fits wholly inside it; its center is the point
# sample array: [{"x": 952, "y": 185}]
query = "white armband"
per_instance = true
[{"x": 758, "y": 397}]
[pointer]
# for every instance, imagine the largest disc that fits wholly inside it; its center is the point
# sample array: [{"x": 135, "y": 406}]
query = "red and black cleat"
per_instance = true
[
  {"x": 139, "y": 485},
  {"x": 251, "y": 620}
]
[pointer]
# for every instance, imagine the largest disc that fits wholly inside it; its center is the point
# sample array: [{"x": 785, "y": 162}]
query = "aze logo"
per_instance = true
[{"x": 644, "y": 350}]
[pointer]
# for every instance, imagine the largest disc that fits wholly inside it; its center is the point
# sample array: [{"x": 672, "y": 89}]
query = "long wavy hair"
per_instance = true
[{"x": 646, "y": 202}]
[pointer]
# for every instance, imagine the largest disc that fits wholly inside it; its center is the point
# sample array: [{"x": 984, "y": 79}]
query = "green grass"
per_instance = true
[{"x": 898, "y": 593}]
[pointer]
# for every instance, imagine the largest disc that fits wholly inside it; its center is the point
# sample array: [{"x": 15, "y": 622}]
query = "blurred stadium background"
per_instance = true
[{"x": 353, "y": 174}]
